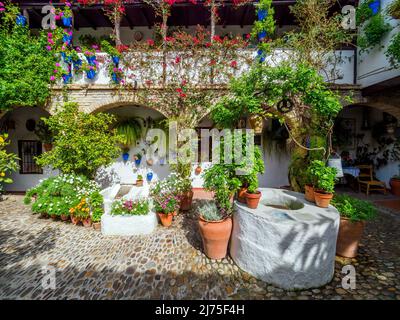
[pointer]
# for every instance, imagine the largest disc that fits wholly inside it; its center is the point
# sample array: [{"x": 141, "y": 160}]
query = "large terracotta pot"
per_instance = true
[
  {"x": 166, "y": 219},
  {"x": 47, "y": 147},
  {"x": 215, "y": 236},
  {"x": 242, "y": 194},
  {"x": 252, "y": 199},
  {"x": 349, "y": 237},
  {"x": 322, "y": 199},
  {"x": 186, "y": 202},
  {"x": 395, "y": 186},
  {"x": 309, "y": 193}
]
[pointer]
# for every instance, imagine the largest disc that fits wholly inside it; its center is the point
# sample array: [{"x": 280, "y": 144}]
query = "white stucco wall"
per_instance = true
[
  {"x": 374, "y": 67},
  {"x": 22, "y": 182}
]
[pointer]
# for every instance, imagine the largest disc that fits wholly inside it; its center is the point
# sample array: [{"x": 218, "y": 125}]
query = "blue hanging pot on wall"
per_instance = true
[
  {"x": 91, "y": 59},
  {"x": 262, "y": 35},
  {"x": 125, "y": 156},
  {"x": 90, "y": 74},
  {"x": 115, "y": 59},
  {"x": 138, "y": 161},
  {"x": 262, "y": 14},
  {"x": 375, "y": 6},
  {"x": 149, "y": 176},
  {"x": 66, "y": 77},
  {"x": 21, "y": 20},
  {"x": 67, "y": 21},
  {"x": 77, "y": 64},
  {"x": 67, "y": 39},
  {"x": 115, "y": 78}
]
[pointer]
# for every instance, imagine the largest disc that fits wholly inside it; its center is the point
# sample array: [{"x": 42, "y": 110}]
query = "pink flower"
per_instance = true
[
  {"x": 48, "y": 48},
  {"x": 55, "y": 71},
  {"x": 52, "y": 78},
  {"x": 234, "y": 64},
  {"x": 57, "y": 64},
  {"x": 49, "y": 35},
  {"x": 150, "y": 42},
  {"x": 2, "y": 9}
]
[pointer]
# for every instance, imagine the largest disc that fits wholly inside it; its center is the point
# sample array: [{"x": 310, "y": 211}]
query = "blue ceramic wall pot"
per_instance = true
[
  {"x": 21, "y": 20},
  {"x": 67, "y": 21},
  {"x": 67, "y": 39},
  {"x": 66, "y": 78},
  {"x": 138, "y": 161},
  {"x": 115, "y": 78},
  {"x": 77, "y": 64},
  {"x": 149, "y": 176},
  {"x": 262, "y": 35},
  {"x": 375, "y": 6},
  {"x": 125, "y": 156},
  {"x": 115, "y": 59},
  {"x": 91, "y": 59},
  {"x": 262, "y": 14},
  {"x": 90, "y": 74}
]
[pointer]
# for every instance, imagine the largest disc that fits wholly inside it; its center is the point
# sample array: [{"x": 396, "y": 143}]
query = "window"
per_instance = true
[{"x": 27, "y": 151}]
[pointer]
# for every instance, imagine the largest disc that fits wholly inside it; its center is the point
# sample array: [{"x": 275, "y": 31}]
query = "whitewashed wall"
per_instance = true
[
  {"x": 374, "y": 67},
  {"x": 22, "y": 182}
]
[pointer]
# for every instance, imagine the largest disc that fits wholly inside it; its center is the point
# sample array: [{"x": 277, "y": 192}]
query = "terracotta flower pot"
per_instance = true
[
  {"x": 186, "y": 202},
  {"x": 349, "y": 237},
  {"x": 47, "y": 147},
  {"x": 74, "y": 220},
  {"x": 215, "y": 236},
  {"x": 395, "y": 186},
  {"x": 150, "y": 162},
  {"x": 139, "y": 183},
  {"x": 252, "y": 199},
  {"x": 96, "y": 225},
  {"x": 54, "y": 216},
  {"x": 198, "y": 170},
  {"x": 44, "y": 215},
  {"x": 241, "y": 196},
  {"x": 166, "y": 219},
  {"x": 64, "y": 217},
  {"x": 309, "y": 193},
  {"x": 87, "y": 223},
  {"x": 322, "y": 199}
]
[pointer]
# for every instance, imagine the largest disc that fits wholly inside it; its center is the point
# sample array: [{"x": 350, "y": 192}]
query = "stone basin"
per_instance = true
[{"x": 287, "y": 241}]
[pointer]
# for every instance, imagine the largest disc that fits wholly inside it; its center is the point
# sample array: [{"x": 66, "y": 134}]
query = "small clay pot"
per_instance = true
[
  {"x": 150, "y": 162},
  {"x": 139, "y": 183},
  {"x": 54, "y": 216},
  {"x": 322, "y": 199},
  {"x": 47, "y": 147},
  {"x": 252, "y": 199},
  {"x": 186, "y": 200},
  {"x": 350, "y": 234},
  {"x": 64, "y": 217},
  {"x": 395, "y": 186},
  {"x": 96, "y": 226},
  {"x": 215, "y": 236},
  {"x": 166, "y": 218},
  {"x": 74, "y": 220},
  {"x": 241, "y": 196},
  {"x": 44, "y": 215},
  {"x": 198, "y": 170},
  {"x": 309, "y": 193},
  {"x": 87, "y": 223}
]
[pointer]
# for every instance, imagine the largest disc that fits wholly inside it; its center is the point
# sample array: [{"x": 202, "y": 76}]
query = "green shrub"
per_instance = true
[
  {"x": 8, "y": 162},
  {"x": 82, "y": 142},
  {"x": 354, "y": 209},
  {"x": 130, "y": 207},
  {"x": 373, "y": 31},
  {"x": 210, "y": 212},
  {"x": 57, "y": 195},
  {"x": 323, "y": 176}
]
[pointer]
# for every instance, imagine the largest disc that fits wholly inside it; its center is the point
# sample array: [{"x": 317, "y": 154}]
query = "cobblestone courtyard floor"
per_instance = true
[{"x": 165, "y": 265}]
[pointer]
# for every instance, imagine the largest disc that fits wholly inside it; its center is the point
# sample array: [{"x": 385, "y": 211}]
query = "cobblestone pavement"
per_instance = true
[{"x": 165, "y": 265}]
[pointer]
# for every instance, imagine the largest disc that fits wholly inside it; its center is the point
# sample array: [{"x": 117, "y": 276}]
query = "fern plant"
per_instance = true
[{"x": 129, "y": 131}]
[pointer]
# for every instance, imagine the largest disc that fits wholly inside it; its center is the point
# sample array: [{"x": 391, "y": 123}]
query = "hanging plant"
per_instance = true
[
  {"x": 129, "y": 131},
  {"x": 264, "y": 27},
  {"x": 373, "y": 32},
  {"x": 91, "y": 70},
  {"x": 393, "y": 51}
]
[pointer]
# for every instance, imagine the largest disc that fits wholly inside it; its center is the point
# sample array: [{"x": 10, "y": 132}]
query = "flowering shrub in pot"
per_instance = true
[{"x": 353, "y": 215}]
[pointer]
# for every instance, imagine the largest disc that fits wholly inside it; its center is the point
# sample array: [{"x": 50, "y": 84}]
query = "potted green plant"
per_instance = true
[
  {"x": 138, "y": 158},
  {"x": 139, "y": 181},
  {"x": 324, "y": 178},
  {"x": 45, "y": 135},
  {"x": 129, "y": 131},
  {"x": 215, "y": 230},
  {"x": 309, "y": 194},
  {"x": 353, "y": 216},
  {"x": 186, "y": 194},
  {"x": 252, "y": 195},
  {"x": 97, "y": 209}
]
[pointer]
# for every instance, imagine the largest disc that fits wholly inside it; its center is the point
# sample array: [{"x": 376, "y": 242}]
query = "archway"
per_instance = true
[
  {"x": 368, "y": 135},
  {"x": 22, "y": 125}
]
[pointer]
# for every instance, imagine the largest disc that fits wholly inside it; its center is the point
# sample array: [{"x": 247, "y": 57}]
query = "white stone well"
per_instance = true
[{"x": 287, "y": 241}]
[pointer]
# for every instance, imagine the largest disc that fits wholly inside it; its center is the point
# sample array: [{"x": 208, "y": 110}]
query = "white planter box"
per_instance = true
[{"x": 128, "y": 225}]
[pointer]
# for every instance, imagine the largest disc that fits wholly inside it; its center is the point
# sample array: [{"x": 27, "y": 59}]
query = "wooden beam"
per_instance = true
[
  {"x": 245, "y": 11},
  {"x": 146, "y": 17},
  {"x": 130, "y": 22},
  {"x": 88, "y": 19},
  {"x": 38, "y": 17}
]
